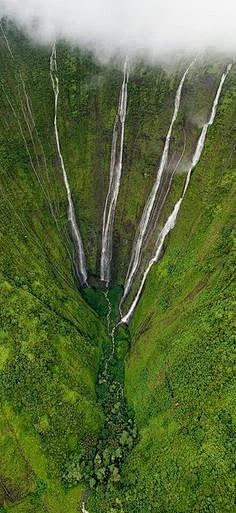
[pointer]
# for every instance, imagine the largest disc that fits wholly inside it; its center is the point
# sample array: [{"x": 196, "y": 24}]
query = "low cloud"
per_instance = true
[{"x": 154, "y": 27}]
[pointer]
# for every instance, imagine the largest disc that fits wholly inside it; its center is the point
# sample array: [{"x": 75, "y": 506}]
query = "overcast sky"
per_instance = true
[{"x": 155, "y": 26}]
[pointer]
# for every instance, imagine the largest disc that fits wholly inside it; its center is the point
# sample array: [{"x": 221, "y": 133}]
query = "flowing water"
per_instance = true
[
  {"x": 7, "y": 42},
  {"x": 107, "y": 372},
  {"x": 114, "y": 184},
  {"x": 119, "y": 434},
  {"x": 81, "y": 264},
  {"x": 83, "y": 510},
  {"x": 143, "y": 225},
  {"x": 171, "y": 221}
]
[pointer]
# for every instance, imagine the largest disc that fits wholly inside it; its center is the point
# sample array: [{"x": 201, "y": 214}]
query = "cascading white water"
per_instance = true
[
  {"x": 143, "y": 225},
  {"x": 7, "y": 42},
  {"x": 114, "y": 184},
  {"x": 171, "y": 221},
  {"x": 71, "y": 211},
  {"x": 83, "y": 509},
  {"x": 30, "y": 128},
  {"x": 18, "y": 120}
]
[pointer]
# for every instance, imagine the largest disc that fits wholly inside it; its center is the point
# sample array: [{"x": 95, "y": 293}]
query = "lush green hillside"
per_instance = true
[
  {"x": 50, "y": 340},
  {"x": 181, "y": 367},
  {"x": 65, "y": 426},
  {"x": 180, "y": 372},
  {"x": 88, "y": 103}
]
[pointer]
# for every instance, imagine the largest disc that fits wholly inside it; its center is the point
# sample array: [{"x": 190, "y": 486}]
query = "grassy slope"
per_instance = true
[
  {"x": 50, "y": 340},
  {"x": 88, "y": 105},
  {"x": 150, "y": 95},
  {"x": 180, "y": 369},
  {"x": 87, "y": 108},
  {"x": 196, "y": 102}
]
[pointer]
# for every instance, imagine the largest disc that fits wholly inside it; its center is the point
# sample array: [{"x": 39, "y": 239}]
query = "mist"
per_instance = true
[{"x": 150, "y": 27}]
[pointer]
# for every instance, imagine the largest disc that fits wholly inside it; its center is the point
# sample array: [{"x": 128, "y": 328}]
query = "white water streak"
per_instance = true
[
  {"x": 83, "y": 508},
  {"x": 31, "y": 136},
  {"x": 109, "y": 310},
  {"x": 27, "y": 104},
  {"x": 25, "y": 143},
  {"x": 143, "y": 225},
  {"x": 18, "y": 121},
  {"x": 34, "y": 128},
  {"x": 71, "y": 210},
  {"x": 114, "y": 184},
  {"x": 171, "y": 221},
  {"x": 24, "y": 112},
  {"x": 111, "y": 332},
  {"x": 7, "y": 42}
]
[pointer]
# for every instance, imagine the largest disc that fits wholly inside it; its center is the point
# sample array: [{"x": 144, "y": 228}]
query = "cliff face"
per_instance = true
[
  {"x": 179, "y": 375},
  {"x": 87, "y": 107},
  {"x": 179, "y": 369},
  {"x": 51, "y": 341}
]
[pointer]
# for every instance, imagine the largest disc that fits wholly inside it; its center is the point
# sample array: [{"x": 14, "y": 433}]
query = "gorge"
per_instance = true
[{"x": 116, "y": 263}]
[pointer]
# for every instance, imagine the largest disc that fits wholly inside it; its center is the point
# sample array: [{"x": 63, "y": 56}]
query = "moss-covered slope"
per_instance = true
[
  {"x": 180, "y": 366},
  {"x": 180, "y": 372},
  {"x": 50, "y": 340}
]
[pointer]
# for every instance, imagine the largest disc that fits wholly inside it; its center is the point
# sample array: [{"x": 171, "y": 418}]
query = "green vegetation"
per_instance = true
[
  {"x": 180, "y": 372},
  {"x": 101, "y": 465},
  {"x": 150, "y": 427},
  {"x": 51, "y": 341}
]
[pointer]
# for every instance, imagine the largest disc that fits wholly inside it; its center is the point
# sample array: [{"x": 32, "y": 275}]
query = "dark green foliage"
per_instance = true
[
  {"x": 180, "y": 372},
  {"x": 152, "y": 426},
  {"x": 101, "y": 465}
]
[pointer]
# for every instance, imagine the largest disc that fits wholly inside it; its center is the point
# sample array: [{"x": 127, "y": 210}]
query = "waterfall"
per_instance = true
[
  {"x": 114, "y": 184},
  {"x": 143, "y": 225},
  {"x": 6, "y": 41},
  {"x": 171, "y": 221},
  {"x": 81, "y": 268},
  {"x": 83, "y": 508}
]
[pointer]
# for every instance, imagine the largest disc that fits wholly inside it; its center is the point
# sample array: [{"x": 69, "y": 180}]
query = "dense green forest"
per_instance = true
[{"x": 143, "y": 418}]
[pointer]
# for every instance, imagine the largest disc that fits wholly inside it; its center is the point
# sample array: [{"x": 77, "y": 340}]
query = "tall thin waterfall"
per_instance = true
[
  {"x": 143, "y": 225},
  {"x": 114, "y": 184},
  {"x": 81, "y": 264},
  {"x": 171, "y": 221},
  {"x": 6, "y": 41}
]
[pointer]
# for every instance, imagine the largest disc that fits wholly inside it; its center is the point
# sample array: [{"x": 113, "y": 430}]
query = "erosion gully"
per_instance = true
[{"x": 119, "y": 433}]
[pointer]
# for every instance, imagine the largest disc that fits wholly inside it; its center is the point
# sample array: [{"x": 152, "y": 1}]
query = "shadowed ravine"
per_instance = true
[
  {"x": 116, "y": 278},
  {"x": 114, "y": 395}
]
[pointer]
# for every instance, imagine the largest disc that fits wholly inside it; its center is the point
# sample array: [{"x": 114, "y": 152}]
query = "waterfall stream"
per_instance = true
[
  {"x": 171, "y": 221},
  {"x": 114, "y": 184},
  {"x": 113, "y": 413},
  {"x": 143, "y": 225},
  {"x": 83, "y": 509},
  {"x": 81, "y": 265},
  {"x": 6, "y": 41}
]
